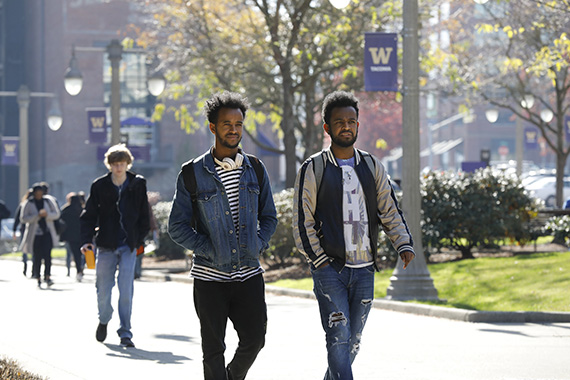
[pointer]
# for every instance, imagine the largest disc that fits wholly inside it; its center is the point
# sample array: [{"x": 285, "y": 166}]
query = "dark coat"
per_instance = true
[{"x": 102, "y": 210}]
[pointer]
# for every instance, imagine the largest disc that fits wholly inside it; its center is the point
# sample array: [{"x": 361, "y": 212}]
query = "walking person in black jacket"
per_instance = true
[
  {"x": 118, "y": 207},
  {"x": 70, "y": 213}
]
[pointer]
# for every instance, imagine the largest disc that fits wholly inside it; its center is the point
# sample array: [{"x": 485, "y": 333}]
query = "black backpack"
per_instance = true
[{"x": 190, "y": 180}]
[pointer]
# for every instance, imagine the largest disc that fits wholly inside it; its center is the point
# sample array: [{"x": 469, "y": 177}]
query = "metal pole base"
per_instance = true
[{"x": 409, "y": 286}]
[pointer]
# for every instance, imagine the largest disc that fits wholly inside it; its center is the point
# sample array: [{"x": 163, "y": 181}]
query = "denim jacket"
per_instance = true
[{"x": 213, "y": 240}]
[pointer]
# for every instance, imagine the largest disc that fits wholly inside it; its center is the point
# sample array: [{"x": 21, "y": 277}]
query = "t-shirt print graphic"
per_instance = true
[{"x": 356, "y": 238}]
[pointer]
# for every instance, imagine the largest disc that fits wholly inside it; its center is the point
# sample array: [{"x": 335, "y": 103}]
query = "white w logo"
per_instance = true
[
  {"x": 97, "y": 122},
  {"x": 380, "y": 55}
]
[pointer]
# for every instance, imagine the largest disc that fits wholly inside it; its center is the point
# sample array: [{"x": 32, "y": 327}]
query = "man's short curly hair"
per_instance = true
[
  {"x": 118, "y": 153},
  {"x": 338, "y": 99},
  {"x": 221, "y": 100}
]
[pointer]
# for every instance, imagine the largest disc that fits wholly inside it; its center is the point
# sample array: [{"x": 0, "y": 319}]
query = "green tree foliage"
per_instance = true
[
  {"x": 466, "y": 211},
  {"x": 282, "y": 245},
  {"x": 283, "y": 55}
]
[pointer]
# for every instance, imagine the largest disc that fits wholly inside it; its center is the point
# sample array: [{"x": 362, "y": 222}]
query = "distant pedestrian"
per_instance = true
[
  {"x": 342, "y": 196},
  {"x": 4, "y": 211},
  {"x": 116, "y": 215},
  {"x": 152, "y": 199},
  {"x": 232, "y": 206},
  {"x": 21, "y": 227},
  {"x": 70, "y": 214},
  {"x": 39, "y": 213},
  {"x": 58, "y": 223}
]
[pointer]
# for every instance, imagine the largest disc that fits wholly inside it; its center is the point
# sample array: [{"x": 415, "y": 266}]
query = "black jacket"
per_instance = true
[
  {"x": 70, "y": 213},
  {"x": 102, "y": 210}
]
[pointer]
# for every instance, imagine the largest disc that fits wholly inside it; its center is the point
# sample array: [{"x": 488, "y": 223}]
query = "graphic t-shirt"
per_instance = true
[{"x": 356, "y": 237}]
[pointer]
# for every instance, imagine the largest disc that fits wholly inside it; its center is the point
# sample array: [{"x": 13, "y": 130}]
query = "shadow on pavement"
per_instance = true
[
  {"x": 180, "y": 338},
  {"x": 504, "y": 332},
  {"x": 138, "y": 354}
]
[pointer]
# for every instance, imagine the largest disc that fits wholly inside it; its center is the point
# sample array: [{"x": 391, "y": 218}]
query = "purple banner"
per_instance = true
[
  {"x": 97, "y": 124},
  {"x": 381, "y": 61},
  {"x": 567, "y": 127},
  {"x": 140, "y": 153},
  {"x": 10, "y": 150},
  {"x": 472, "y": 166},
  {"x": 531, "y": 138}
]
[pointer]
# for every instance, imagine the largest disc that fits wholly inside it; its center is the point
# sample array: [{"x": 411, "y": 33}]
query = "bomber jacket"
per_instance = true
[
  {"x": 318, "y": 217},
  {"x": 213, "y": 239},
  {"x": 102, "y": 210}
]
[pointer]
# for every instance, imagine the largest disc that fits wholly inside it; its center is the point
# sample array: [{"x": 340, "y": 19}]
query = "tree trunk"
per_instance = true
[
  {"x": 466, "y": 253},
  {"x": 288, "y": 128}
]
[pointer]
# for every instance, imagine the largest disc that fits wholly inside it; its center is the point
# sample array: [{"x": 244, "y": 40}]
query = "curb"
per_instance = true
[{"x": 455, "y": 314}]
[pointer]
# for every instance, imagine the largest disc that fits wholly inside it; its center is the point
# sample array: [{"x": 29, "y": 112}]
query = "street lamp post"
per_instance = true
[
  {"x": 115, "y": 51},
  {"x": 74, "y": 82},
  {"x": 23, "y": 96},
  {"x": 415, "y": 281}
]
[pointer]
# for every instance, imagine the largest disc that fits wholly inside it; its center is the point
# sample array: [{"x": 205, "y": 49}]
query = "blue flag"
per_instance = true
[{"x": 381, "y": 62}]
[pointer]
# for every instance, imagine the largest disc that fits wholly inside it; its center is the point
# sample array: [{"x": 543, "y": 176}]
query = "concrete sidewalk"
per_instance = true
[{"x": 51, "y": 332}]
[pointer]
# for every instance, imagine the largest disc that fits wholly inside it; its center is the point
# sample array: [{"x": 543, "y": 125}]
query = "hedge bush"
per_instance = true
[
  {"x": 166, "y": 247},
  {"x": 464, "y": 211}
]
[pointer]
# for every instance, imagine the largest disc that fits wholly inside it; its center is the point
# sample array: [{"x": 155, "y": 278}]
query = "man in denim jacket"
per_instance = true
[
  {"x": 234, "y": 218},
  {"x": 337, "y": 213}
]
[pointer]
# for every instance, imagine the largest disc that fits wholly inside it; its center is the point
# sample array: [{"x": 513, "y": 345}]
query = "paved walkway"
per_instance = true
[{"x": 52, "y": 333}]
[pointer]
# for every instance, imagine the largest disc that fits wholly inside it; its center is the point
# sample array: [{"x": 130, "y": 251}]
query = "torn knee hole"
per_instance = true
[{"x": 337, "y": 317}]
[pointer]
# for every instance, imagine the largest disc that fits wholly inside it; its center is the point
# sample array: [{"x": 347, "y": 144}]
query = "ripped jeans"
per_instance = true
[{"x": 344, "y": 300}]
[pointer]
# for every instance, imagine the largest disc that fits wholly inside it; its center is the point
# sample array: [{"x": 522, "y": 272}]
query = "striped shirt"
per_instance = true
[{"x": 230, "y": 180}]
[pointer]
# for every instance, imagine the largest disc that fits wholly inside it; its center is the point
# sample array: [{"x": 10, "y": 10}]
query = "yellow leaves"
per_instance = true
[
  {"x": 159, "y": 110},
  {"x": 487, "y": 28},
  {"x": 381, "y": 144},
  {"x": 511, "y": 32},
  {"x": 512, "y": 63}
]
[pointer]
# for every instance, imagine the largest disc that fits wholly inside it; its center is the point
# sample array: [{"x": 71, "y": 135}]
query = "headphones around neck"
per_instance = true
[{"x": 229, "y": 164}]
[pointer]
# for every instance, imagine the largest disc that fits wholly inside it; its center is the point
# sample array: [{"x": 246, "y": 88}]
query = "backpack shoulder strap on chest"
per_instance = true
[
  {"x": 319, "y": 163},
  {"x": 189, "y": 179},
  {"x": 257, "y": 166},
  {"x": 369, "y": 162}
]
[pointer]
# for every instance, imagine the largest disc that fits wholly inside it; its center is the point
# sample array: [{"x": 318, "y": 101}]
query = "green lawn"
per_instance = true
[
  {"x": 56, "y": 252},
  {"x": 532, "y": 282}
]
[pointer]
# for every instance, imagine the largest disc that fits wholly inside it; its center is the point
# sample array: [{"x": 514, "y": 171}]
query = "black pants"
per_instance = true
[
  {"x": 42, "y": 251},
  {"x": 75, "y": 248},
  {"x": 244, "y": 304}
]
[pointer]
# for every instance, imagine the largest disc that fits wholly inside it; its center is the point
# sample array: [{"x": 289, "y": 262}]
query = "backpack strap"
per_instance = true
[
  {"x": 319, "y": 163},
  {"x": 370, "y": 162},
  {"x": 190, "y": 184},
  {"x": 189, "y": 179},
  {"x": 257, "y": 166}
]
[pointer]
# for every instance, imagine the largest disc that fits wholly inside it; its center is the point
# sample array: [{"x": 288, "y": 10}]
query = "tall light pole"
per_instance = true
[
  {"x": 74, "y": 82},
  {"x": 414, "y": 282},
  {"x": 115, "y": 53},
  {"x": 23, "y": 96}
]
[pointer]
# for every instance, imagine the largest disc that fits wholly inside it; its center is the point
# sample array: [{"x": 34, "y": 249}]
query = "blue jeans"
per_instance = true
[
  {"x": 107, "y": 263},
  {"x": 344, "y": 301}
]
